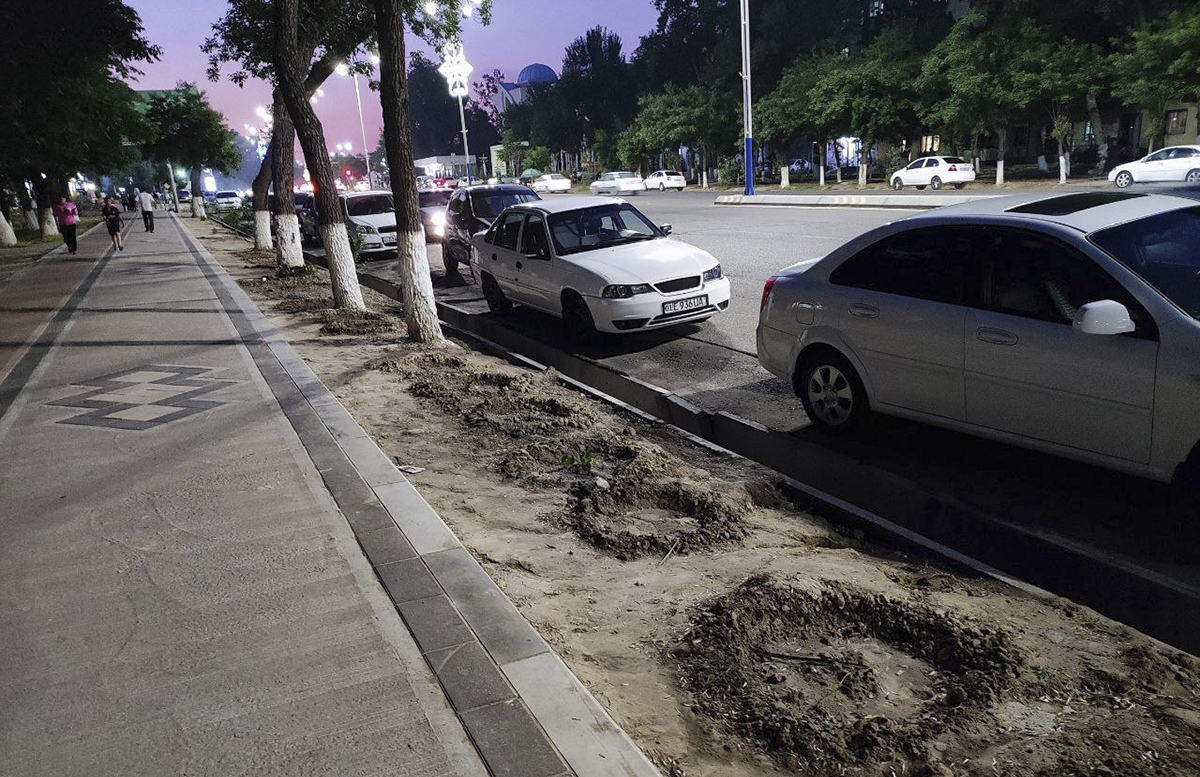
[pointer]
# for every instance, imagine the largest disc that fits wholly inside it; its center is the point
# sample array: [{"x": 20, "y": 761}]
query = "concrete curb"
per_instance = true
[
  {"x": 909, "y": 201},
  {"x": 527, "y": 714}
]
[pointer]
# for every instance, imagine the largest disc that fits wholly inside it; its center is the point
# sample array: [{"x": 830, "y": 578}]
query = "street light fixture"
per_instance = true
[
  {"x": 456, "y": 69},
  {"x": 343, "y": 69}
]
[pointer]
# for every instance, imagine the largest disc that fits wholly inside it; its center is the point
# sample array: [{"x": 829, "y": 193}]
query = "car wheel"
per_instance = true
[
  {"x": 921, "y": 188},
  {"x": 1123, "y": 179},
  {"x": 578, "y": 323},
  {"x": 897, "y": 184},
  {"x": 959, "y": 185},
  {"x": 497, "y": 302},
  {"x": 662, "y": 187},
  {"x": 1193, "y": 176},
  {"x": 1185, "y": 492},
  {"x": 831, "y": 391},
  {"x": 935, "y": 183},
  {"x": 448, "y": 260}
]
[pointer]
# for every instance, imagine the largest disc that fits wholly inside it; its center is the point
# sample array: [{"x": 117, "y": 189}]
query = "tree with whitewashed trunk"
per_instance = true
[
  {"x": 8, "y": 237},
  {"x": 259, "y": 200},
  {"x": 44, "y": 192},
  {"x": 289, "y": 254},
  {"x": 187, "y": 130}
]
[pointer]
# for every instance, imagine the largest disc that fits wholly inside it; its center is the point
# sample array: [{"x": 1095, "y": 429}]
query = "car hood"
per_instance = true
[
  {"x": 649, "y": 262},
  {"x": 376, "y": 220}
]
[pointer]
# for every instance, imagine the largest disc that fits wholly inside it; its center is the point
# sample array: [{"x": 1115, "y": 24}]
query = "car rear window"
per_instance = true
[
  {"x": 674, "y": 173},
  {"x": 953, "y": 160}
]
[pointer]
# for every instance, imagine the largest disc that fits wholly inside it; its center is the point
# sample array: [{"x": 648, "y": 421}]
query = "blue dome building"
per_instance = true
[{"x": 533, "y": 75}]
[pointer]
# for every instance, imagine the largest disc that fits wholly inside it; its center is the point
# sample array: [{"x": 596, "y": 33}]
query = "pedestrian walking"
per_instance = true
[
  {"x": 146, "y": 200},
  {"x": 67, "y": 216},
  {"x": 112, "y": 219}
]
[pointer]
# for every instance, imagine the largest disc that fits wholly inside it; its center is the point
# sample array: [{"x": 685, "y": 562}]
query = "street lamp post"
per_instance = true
[
  {"x": 747, "y": 110},
  {"x": 344, "y": 70},
  {"x": 456, "y": 70}
]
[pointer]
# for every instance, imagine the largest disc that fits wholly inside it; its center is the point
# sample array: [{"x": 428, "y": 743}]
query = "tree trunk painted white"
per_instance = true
[
  {"x": 821, "y": 167},
  {"x": 863, "y": 169},
  {"x": 1093, "y": 109},
  {"x": 420, "y": 310},
  {"x": 1001, "y": 150},
  {"x": 8, "y": 238},
  {"x": 1062, "y": 164},
  {"x": 785, "y": 177},
  {"x": 49, "y": 226},
  {"x": 347, "y": 294},
  {"x": 262, "y": 230},
  {"x": 289, "y": 255},
  {"x": 839, "y": 172},
  {"x": 198, "y": 206},
  {"x": 31, "y": 219},
  {"x": 999, "y": 172}
]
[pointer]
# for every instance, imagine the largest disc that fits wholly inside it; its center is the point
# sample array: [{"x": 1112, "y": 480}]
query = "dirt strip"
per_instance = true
[{"x": 729, "y": 629}]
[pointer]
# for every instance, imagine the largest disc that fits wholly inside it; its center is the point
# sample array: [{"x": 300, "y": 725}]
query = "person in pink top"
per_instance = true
[{"x": 67, "y": 216}]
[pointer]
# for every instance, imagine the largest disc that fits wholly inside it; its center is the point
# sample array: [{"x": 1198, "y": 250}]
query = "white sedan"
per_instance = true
[
  {"x": 618, "y": 183},
  {"x": 934, "y": 172},
  {"x": 552, "y": 183},
  {"x": 666, "y": 179},
  {"x": 598, "y": 264},
  {"x": 1174, "y": 163}
]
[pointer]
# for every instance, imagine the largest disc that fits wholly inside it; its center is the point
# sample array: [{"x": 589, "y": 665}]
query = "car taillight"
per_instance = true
[
  {"x": 767, "y": 291},
  {"x": 953, "y": 169}
]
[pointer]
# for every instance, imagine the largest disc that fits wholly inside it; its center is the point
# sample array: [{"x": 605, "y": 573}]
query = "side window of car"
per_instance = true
[
  {"x": 917, "y": 164},
  {"x": 1158, "y": 156},
  {"x": 1036, "y": 277},
  {"x": 933, "y": 162},
  {"x": 533, "y": 238},
  {"x": 931, "y": 264},
  {"x": 510, "y": 230},
  {"x": 455, "y": 206}
]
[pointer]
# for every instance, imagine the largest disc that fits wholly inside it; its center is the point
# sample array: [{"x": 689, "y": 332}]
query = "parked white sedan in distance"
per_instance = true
[
  {"x": 618, "y": 183},
  {"x": 666, "y": 179},
  {"x": 934, "y": 172},
  {"x": 1174, "y": 163},
  {"x": 552, "y": 183},
  {"x": 598, "y": 264}
]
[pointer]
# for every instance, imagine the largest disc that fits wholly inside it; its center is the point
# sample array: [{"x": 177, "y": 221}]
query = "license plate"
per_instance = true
[
  {"x": 680, "y": 305},
  {"x": 388, "y": 238}
]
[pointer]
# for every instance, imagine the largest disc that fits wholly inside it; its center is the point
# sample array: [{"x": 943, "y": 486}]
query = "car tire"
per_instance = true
[
  {"x": 497, "y": 302},
  {"x": 448, "y": 260},
  {"x": 897, "y": 184},
  {"x": 1185, "y": 492},
  {"x": 662, "y": 187},
  {"x": 1193, "y": 176},
  {"x": 831, "y": 391},
  {"x": 1123, "y": 179},
  {"x": 578, "y": 323},
  {"x": 935, "y": 183},
  {"x": 959, "y": 185},
  {"x": 921, "y": 188}
]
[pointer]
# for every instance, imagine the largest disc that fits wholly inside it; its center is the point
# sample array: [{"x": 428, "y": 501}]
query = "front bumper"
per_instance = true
[{"x": 645, "y": 311}]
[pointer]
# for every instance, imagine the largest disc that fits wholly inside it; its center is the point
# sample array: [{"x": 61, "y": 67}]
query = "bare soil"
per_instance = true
[{"x": 727, "y": 627}]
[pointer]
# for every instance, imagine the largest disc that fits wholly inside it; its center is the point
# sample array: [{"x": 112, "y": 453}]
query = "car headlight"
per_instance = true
[
  {"x": 438, "y": 219},
  {"x": 363, "y": 229},
  {"x": 625, "y": 292},
  {"x": 713, "y": 274}
]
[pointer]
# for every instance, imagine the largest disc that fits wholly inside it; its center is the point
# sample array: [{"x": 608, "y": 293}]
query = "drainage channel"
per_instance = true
[{"x": 860, "y": 494}]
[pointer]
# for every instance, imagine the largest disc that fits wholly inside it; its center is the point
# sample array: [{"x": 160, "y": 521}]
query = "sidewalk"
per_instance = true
[{"x": 182, "y": 589}]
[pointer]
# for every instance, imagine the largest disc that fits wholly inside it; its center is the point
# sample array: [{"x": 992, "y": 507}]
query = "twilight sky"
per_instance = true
[{"x": 522, "y": 32}]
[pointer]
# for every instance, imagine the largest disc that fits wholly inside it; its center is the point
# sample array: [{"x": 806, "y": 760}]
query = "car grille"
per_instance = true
[
  {"x": 678, "y": 284},
  {"x": 387, "y": 229}
]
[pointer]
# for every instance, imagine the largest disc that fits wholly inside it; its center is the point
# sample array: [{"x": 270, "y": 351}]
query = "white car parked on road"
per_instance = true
[
  {"x": 934, "y": 172},
  {"x": 227, "y": 200},
  {"x": 1174, "y": 163},
  {"x": 1065, "y": 323},
  {"x": 618, "y": 183},
  {"x": 666, "y": 179},
  {"x": 598, "y": 264},
  {"x": 552, "y": 183}
]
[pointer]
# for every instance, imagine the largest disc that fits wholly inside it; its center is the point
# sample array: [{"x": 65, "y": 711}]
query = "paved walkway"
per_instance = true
[{"x": 179, "y": 593}]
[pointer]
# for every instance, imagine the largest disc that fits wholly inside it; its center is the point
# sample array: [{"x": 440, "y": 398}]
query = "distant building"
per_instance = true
[{"x": 533, "y": 75}]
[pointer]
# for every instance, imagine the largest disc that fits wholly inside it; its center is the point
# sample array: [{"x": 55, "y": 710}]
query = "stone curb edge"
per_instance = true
[{"x": 508, "y": 687}]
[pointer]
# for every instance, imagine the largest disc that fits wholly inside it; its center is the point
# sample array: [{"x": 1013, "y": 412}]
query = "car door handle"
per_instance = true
[
  {"x": 994, "y": 336},
  {"x": 864, "y": 311},
  {"x": 493, "y": 257}
]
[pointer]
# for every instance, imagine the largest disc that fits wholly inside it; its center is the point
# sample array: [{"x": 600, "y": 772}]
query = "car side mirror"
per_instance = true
[
  {"x": 1106, "y": 317},
  {"x": 666, "y": 228}
]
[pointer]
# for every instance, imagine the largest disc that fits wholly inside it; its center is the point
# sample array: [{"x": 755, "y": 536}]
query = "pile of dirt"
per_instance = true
[
  {"x": 626, "y": 495},
  {"x": 355, "y": 322},
  {"x": 287, "y": 287},
  {"x": 304, "y": 303},
  {"x": 256, "y": 259}
]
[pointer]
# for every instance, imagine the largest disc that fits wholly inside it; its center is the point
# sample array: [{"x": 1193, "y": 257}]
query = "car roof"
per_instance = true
[
  {"x": 495, "y": 188},
  {"x": 370, "y": 193},
  {"x": 567, "y": 203},
  {"x": 1085, "y": 211}
]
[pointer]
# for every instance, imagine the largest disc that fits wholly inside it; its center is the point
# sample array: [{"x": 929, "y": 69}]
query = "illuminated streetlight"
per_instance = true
[
  {"x": 431, "y": 8},
  {"x": 342, "y": 70},
  {"x": 456, "y": 69}
]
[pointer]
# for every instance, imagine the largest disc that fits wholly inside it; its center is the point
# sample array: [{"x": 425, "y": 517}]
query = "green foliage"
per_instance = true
[
  {"x": 511, "y": 152},
  {"x": 1161, "y": 63},
  {"x": 579, "y": 462},
  {"x": 185, "y": 130},
  {"x": 538, "y": 158},
  {"x": 694, "y": 116}
]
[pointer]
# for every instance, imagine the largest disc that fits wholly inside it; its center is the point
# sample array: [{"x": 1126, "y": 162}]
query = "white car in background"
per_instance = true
[
  {"x": 1174, "y": 163},
  {"x": 227, "y": 200},
  {"x": 552, "y": 183},
  {"x": 618, "y": 183},
  {"x": 598, "y": 264},
  {"x": 934, "y": 172},
  {"x": 666, "y": 179},
  {"x": 372, "y": 215}
]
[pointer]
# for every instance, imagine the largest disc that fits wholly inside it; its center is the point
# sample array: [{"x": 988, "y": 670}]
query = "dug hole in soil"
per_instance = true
[{"x": 726, "y": 627}]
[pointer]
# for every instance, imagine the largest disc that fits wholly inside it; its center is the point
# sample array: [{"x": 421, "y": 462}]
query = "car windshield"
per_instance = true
[
  {"x": 370, "y": 205},
  {"x": 488, "y": 205},
  {"x": 599, "y": 227},
  {"x": 1162, "y": 250},
  {"x": 433, "y": 199},
  {"x": 227, "y": 195},
  {"x": 554, "y": 177}
]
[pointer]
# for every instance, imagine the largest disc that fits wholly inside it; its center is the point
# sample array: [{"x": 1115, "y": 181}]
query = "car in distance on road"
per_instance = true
[
  {"x": 432, "y": 203},
  {"x": 185, "y": 195},
  {"x": 472, "y": 210},
  {"x": 552, "y": 183},
  {"x": 934, "y": 172},
  {"x": 371, "y": 214},
  {"x": 227, "y": 200},
  {"x": 1068, "y": 324},
  {"x": 1174, "y": 163},
  {"x": 618, "y": 183},
  {"x": 598, "y": 264},
  {"x": 666, "y": 179}
]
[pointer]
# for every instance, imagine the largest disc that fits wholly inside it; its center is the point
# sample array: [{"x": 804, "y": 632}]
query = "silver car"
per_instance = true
[{"x": 1065, "y": 323}]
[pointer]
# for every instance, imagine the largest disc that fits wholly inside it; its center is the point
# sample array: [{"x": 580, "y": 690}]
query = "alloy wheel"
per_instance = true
[{"x": 830, "y": 395}]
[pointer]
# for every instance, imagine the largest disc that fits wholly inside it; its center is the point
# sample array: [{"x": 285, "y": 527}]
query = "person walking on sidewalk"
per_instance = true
[
  {"x": 146, "y": 200},
  {"x": 112, "y": 219},
  {"x": 67, "y": 216}
]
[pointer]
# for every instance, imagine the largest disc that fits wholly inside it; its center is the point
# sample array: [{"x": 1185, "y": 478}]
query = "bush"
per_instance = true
[{"x": 729, "y": 172}]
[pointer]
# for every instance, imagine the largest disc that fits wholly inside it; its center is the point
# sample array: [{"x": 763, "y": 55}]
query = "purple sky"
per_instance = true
[{"x": 522, "y": 32}]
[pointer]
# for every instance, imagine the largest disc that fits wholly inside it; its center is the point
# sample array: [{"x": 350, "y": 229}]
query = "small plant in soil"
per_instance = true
[{"x": 579, "y": 462}]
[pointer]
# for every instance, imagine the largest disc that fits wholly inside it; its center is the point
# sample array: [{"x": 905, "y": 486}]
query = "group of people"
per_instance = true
[{"x": 67, "y": 217}]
